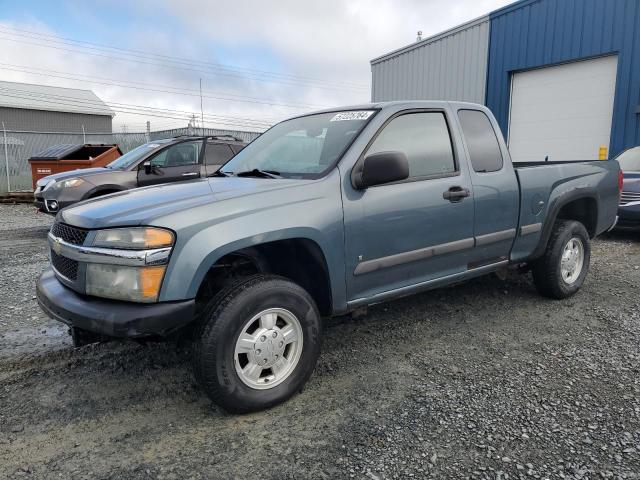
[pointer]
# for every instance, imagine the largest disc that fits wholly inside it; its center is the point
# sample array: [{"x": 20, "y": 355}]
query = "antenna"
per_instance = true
[{"x": 201, "y": 111}]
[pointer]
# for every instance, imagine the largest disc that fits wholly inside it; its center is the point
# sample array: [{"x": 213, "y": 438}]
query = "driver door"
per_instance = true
[{"x": 173, "y": 164}]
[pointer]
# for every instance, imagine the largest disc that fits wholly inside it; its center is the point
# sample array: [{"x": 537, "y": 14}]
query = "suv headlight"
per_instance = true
[
  {"x": 126, "y": 282},
  {"x": 72, "y": 182}
]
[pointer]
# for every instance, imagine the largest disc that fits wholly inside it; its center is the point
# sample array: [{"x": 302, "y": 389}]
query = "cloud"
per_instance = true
[{"x": 320, "y": 50}]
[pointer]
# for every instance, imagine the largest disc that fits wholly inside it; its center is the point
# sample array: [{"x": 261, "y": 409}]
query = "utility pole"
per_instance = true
[
  {"x": 84, "y": 136},
  {"x": 6, "y": 158},
  {"x": 148, "y": 131},
  {"x": 201, "y": 111}
]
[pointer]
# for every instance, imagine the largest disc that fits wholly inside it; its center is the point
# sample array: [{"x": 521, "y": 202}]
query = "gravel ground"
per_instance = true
[{"x": 480, "y": 380}]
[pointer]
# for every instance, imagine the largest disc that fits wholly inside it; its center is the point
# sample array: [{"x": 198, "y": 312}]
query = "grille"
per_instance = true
[
  {"x": 69, "y": 234},
  {"x": 627, "y": 197},
  {"x": 65, "y": 266}
]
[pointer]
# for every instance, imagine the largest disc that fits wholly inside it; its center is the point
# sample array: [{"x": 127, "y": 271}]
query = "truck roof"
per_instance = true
[{"x": 407, "y": 103}]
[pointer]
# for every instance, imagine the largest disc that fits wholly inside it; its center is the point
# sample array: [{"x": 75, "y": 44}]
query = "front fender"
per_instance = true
[
  {"x": 189, "y": 266},
  {"x": 205, "y": 235}
]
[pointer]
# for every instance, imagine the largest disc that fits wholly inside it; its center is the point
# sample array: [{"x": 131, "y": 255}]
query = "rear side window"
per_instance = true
[
  {"x": 484, "y": 149},
  {"x": 424, "y": 138},
  {"x": 217, "y": 154},
  {"x": 236, "y": 148}
]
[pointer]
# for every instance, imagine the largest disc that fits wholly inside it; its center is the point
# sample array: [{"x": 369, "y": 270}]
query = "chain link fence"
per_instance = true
[{"x": 17, "y": 147}]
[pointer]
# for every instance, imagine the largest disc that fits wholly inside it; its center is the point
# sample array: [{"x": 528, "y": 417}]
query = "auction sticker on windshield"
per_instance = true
[{"x": 355, "y": 115}]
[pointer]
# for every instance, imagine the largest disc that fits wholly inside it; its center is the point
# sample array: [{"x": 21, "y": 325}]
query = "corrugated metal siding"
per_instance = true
[
  {"x": 449, "y": 66},
  {"x": 536, "y": 33},
  {"x": 48, "y": 121}
]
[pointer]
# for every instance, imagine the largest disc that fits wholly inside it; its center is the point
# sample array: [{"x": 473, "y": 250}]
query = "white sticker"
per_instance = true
[{"x": 355, "y": 115}]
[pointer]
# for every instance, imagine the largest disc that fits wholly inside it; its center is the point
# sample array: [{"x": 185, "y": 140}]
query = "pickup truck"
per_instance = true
[{"x": 323, "y": 214}]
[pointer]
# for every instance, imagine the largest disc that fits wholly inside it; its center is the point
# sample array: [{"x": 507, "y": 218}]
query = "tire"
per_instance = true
[
  {"x": 249, "y": 306},
  {"x": 548, "y": 275},
  {"x": 82, "y": 337}
]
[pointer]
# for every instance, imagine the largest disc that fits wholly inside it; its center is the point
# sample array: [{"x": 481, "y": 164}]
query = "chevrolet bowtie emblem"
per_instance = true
[{"x": 56, "y": 245}]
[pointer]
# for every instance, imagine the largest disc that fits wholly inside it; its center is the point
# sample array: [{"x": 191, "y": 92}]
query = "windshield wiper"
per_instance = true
[
  {"x": 220, "y": 173},
  {"x": 256, "y": 172}
]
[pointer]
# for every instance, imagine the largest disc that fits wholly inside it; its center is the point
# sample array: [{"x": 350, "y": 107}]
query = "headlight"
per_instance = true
[
  {"x": 134, "y": 238},
  {"x": 72, "y": 182},
  {"x": 136, "y": 284},
  {"x": 133, "y": 282}
]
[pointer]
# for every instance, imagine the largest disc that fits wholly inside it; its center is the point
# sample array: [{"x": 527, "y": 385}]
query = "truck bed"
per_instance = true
[{"x": 543, "y": 184}]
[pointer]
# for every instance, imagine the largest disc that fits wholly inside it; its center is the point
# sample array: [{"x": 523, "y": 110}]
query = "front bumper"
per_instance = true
[{"x": 111, "y": 317}]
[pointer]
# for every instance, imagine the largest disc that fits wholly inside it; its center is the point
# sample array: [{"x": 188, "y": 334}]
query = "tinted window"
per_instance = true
[
  {"x": 180, "y": 154},
  {"x": 481, "y": 139},
  {"x": 424, "y": 138},
  {"x": 217, "y": 154}
]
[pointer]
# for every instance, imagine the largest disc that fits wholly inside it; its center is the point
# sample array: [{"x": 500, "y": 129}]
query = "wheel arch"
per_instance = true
[
  {"x": 298, "y": 258},
  {"x": 580, "y": 205}
]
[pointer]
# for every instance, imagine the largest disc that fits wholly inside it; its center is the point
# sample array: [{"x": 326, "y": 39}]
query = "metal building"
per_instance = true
[
  {"x": 561, "y": 76},
  {"x": 41, "y": 108}
]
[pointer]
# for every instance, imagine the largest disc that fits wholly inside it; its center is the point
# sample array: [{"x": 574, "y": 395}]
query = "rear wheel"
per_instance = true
[
  {"x": 562, "y": 270},
  {"x": 257, "y": 344}
]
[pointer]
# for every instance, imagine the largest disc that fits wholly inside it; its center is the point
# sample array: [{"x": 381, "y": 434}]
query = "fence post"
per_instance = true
[{"x": 6, "y": 158}]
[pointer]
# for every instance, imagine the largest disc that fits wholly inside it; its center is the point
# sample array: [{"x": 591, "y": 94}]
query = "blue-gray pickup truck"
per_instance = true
[{"x": 323, "y": 214}]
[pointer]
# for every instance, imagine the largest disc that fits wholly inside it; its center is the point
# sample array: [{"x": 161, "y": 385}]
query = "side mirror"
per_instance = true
[
  {"x": 380, "y": 168},
  {"x": 147, "y": 167}
]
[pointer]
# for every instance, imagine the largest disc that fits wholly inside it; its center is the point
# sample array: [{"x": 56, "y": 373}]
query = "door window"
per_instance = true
[
  {"x": 484, "y": 150},
  {"x": 178, "y": 155},
  {"x": 424, "y": 138},
  {"x": 217, "y": 154}
]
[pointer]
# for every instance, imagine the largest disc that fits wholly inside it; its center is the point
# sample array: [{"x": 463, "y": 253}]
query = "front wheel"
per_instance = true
[
  {"x": 257, "y": 344},
  {"x": 562, "y": 270}
]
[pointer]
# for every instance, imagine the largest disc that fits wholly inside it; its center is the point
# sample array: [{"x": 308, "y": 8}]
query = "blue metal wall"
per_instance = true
[{"x": 537, "y": 33}]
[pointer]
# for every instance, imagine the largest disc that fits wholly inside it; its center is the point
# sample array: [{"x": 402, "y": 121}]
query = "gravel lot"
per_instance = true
[{"x": 480, "y": 380}]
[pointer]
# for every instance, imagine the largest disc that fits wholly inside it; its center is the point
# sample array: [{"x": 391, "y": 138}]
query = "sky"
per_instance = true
[{"x": 258, "y": 61}]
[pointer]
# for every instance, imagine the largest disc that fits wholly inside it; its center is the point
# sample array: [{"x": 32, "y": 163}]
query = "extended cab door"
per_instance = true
[
  {"x": 416, "y": 230},
  {"x": 175, "y": 163},
  {"x": 495, "y": 189}
]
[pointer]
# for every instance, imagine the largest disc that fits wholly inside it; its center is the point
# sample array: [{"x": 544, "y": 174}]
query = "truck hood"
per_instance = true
[
  {"x": 81, "y": 172},
  {"x": 142, "y": 205}
]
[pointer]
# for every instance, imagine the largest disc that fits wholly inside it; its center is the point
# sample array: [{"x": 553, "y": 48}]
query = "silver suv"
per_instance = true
[{"x": 161, "y": 161}]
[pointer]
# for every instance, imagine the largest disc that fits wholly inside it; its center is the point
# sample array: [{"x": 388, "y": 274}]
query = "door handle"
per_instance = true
[
  {"x": 456, "y": 194},
  {"x": 190, "y": 174}
]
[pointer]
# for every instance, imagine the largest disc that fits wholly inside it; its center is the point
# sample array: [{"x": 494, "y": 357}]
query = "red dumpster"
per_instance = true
[{"x": 63, "y": 158}]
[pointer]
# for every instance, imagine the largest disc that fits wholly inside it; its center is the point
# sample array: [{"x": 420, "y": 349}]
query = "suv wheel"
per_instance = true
[
  {"x": 257, "y": 343},
  {"x": 561, "y": 271}
]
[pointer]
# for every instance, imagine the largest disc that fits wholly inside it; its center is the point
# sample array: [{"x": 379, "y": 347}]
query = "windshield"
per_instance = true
[
  {"x": 131, "y": 157},
  {"x": 630, "y": 160},
  {"x": 304, "y": 147}
]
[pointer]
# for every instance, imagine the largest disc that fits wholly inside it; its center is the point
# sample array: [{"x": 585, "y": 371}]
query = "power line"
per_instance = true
[
  {"x": 159, "y": 89},
  {"x": 186, "y": 61},
  {"x": 88, "y": 106},
  {"x": 183, "y": 67},
  {"x": 94, "y": 107},
  {"x": 98, "y": 103}
]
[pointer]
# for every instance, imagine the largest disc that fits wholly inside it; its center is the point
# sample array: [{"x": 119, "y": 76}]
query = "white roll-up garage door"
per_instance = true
[{"x": 562, "y": 112}]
